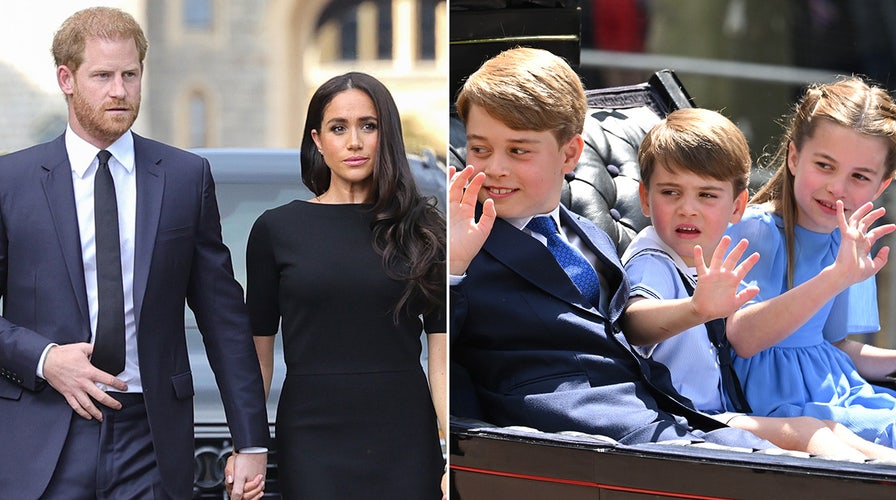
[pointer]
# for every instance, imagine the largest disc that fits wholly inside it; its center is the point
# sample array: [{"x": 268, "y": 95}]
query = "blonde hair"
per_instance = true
[
  {"x": 698, "y": 140},
  {"x": 849, "y": 102},
  {"x": 527, "y": 89}
]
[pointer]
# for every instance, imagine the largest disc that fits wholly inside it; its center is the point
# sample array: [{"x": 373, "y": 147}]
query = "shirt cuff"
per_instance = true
[
  {"x": 454, "y": 279},
  {"x": 254, "y": 449},
  {"x": 43, "y": 358}
]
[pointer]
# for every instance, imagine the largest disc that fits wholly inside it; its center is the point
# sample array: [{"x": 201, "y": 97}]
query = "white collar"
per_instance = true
[
  {"x": 647, "y": 239},
  {"x": 521, "y": 222},
  {"x": 81, "y": 153}
]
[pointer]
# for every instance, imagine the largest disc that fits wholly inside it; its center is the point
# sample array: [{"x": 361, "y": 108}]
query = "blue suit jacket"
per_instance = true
[
  {"x": 539, "y": 355},
  {"x": 179, "y": 257}
]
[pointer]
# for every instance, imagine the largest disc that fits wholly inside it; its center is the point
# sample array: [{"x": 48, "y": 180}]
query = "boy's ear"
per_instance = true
[
  {"x": 645, "y": 199},
  {"x": 883, "y": 187},
  {"x": 740, "y": 204},
  {"x": 571, "y": 151}
]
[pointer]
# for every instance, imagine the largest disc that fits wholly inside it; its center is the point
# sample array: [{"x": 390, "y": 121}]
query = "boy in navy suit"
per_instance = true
[{"x": 542, "y": 347}]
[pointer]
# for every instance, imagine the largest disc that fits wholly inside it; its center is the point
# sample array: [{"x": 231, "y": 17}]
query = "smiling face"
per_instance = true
[
  {"x": 687, "y": 209},
  {"x": 524, "y": 168},
  {"x": 104, "y": 92},
  {"x": 835, "y": 163},
  {"x": 348, "y": 139}
]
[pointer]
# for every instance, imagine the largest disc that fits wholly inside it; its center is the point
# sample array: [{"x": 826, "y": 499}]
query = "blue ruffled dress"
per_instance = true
[{"x": 805, "y": 374}]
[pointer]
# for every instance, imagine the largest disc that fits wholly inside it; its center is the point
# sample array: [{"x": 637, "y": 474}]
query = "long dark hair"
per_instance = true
[{"x": 408, "y": 229}]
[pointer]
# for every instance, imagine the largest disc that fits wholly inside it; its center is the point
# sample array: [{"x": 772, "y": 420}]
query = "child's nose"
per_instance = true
[
  {"x": 837, "y": 187},
  {"x": 494, "y": 166},
  {"x": 687, "y": 205}
]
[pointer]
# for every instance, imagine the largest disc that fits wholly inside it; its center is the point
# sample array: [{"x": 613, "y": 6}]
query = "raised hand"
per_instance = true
[
  {"x": 718, "y": 294},
  {"x": 466, "y": 235},
  {"x": 854, "y": 262}
]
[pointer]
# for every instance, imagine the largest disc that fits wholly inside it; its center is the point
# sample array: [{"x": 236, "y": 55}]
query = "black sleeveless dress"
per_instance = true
[{"x": 355, "y": 417}]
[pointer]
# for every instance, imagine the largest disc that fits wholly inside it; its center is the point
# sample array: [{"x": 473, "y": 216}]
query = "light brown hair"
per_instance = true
[
  {"x": 527, "y": 89},
  {"x": 851, "y": 102},
  {"x": 95, "y": 22},
  {"x": 701, "y": 141}
]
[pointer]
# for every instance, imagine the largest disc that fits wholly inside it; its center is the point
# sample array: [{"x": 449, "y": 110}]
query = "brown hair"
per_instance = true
[
  {"x": 698, "y": 140},
  {"x": 850, "y": 102},
  {"x": 96, "y": 22},
  {"x": 527, "y": 89}
]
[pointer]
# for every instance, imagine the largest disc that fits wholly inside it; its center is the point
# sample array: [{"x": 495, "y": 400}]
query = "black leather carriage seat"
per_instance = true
[{"x": 604, "y": 185}]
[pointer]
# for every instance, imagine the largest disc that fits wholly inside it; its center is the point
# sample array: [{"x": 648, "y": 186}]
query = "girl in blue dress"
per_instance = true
[{"x": 812, "y": 226}]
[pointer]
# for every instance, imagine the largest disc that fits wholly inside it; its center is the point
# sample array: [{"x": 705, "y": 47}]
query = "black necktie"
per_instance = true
[{"x": 108, "y": 344}]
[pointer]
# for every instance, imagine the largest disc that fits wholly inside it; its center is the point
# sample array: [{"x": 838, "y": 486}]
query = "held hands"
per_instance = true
[
  {"x": 240, "y": 467},
  {"x": 854, "y": 262},
  {"x": 466, "y": 236},
  {"x": 67, "y": 369},
  {"x": 716, "y": 294}
]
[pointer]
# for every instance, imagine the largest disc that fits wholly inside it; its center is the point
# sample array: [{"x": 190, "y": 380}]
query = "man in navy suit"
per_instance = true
[
  {"x": 70, "y": 429},
  {"x": 541, "y": 350}
]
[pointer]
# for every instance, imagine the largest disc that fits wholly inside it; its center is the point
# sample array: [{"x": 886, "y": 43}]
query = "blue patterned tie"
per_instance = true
[{"x": 573, "y": 262}]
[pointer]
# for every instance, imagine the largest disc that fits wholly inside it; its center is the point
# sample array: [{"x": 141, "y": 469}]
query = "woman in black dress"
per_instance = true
[{"x": 354, "y": 276}]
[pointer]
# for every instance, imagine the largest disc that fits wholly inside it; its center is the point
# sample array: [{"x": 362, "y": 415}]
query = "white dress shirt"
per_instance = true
[{"x": 84, "y": 163}]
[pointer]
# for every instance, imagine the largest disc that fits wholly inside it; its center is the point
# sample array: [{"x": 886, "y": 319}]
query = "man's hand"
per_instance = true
[
  {"x": 67, "y": 369},
  {"x": 466, "y": 235},
  {"x": 244, "y": 475}
]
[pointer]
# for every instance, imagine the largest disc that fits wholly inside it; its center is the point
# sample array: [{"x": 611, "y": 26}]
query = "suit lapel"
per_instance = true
[
  {"x": 602, "y": 247},
  {"x": 517, "y": 250},
  {"x": 60, "y": 193},
  {"x": 150, "y": 187}
]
